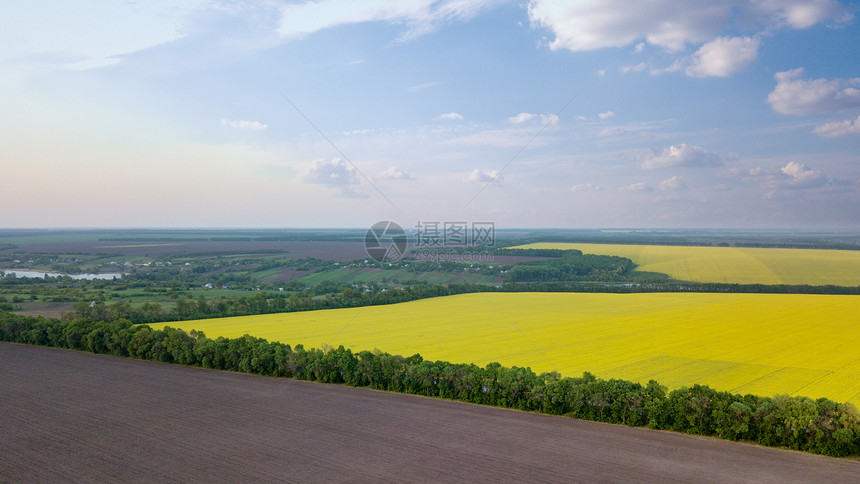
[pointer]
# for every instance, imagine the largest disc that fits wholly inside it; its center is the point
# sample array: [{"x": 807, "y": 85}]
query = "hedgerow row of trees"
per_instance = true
[
  {"x": 343, "y": 295},
  {"x": 820, "y": 426},
  {"x": 263, "y": 303},
  {"x": 572, "y": 266}
]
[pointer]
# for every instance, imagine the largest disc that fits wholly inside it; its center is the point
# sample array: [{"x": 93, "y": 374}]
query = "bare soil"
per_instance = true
[
  {"x": 76, "y": 417},
  {"x": 287, "y": 274}
]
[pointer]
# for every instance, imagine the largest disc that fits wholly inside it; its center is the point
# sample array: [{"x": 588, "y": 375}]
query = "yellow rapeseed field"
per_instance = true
[
  {"x": 733, "y": 264},
  {"x": 746, "y": 343}
]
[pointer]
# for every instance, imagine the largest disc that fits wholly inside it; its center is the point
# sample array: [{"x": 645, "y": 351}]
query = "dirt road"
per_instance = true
[{"x": 67, "y": 416}]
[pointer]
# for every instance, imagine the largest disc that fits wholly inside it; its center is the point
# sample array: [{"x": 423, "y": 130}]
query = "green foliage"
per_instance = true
[
  {"x": 819, "y": 426},
  {"x": 572, "y": 266},
  {"x": 263, "y": 303}
]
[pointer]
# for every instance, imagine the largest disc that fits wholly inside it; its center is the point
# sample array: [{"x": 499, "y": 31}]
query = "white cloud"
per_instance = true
[
  {"x": 521, "y": 118},
  {"x": 792, "y": 177},
  {"x": 420, "y": 17},
  {"x": 394, "y": 173},
  {"x": 450, "y": 116},
  {"x": 795, "y": 176},
  {"x": 524, "y": 117},
  {"x": 802, "y": 177},
  {"x": 757, "y": 171},
  {"x": 836, "y": 129},
  {"x": 801, "y": 14},
  {"x": 606, "y": 115},
  {"x": 613, "y": 132},
  {"x": 637, "y": 187},
  {"x": 252, "y": 125},
  {"x": 334, "y": 173},
  {"x": 637, "y": 68},
  {"x": 723, "y": 56},
  {"x": 549, "y": 119},
  {"x": 358, "y": 132},
  {"x": 682, "y": 155},
  {"x": 585, "y": 187},
  {"x": 676, "y": 66},
  {"x": 83, "y": 36},
  {"x": 510, "y": 137},
  {"x": 674, "y": 183},
  {"x": 484, "y": 176},
  {"x": 793, "y": 95},
  {"x": 640, "y": 130},
  {"x": 720, "y": 57},
  {"x": 596, "y": 24}
]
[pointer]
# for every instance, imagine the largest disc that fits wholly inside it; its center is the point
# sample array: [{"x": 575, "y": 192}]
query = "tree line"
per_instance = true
[
  {"x": 573, "y": 266},
  {"x": 327, "y": 296},
  {"x": 645, "y": 285},
  {"x": 335, "y": 296},
  {"x": 819, "y": 426}
]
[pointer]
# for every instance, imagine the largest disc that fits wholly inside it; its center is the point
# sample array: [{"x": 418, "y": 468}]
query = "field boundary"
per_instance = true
[
  {"x": 730, "y": 265},
  {"x": 800, "y": 423},
  {"x": 218, "y": 426}
]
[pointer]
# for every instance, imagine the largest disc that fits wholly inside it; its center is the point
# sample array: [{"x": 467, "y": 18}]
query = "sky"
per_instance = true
[{"x": 336, "y": 113}]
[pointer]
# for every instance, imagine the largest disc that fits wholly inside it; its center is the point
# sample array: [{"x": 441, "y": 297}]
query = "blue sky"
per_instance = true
[{"x": 335, "y": 113}]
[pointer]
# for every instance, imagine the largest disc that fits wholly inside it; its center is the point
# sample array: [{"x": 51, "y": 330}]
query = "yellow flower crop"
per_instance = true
[
  {"x": 733, "y": 264},
  {"x": 745, "y": 343}
]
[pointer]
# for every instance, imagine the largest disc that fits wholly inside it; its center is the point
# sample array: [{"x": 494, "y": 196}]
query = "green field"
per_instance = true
[
  {"x": 733, "y": 264},
  {"x": 745, "y": 343},
  {"x": 361, "y": 275}
]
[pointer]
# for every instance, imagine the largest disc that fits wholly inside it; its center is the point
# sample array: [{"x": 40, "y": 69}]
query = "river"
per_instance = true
[{"x": 40, "y": 274}]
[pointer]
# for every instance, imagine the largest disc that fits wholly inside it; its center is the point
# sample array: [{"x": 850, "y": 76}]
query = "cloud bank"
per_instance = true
[
  {"x": 836, "y": 129},
  {"x": 484, "y": 176},
  {"x": 723, "y": 56},
  {"x": 597, "y": 24},
  {"x": 335, "y": 173},
  {"x": 797, "y": 96},
  {"x": 252, "y": 125},
  {"x": 419, "y": 17},
  {"x": 394, "y": 173},
  {"x": 450, "y": 117},
  {"x": 585, "y": 187},
  {"x": 682, "y": 155}
]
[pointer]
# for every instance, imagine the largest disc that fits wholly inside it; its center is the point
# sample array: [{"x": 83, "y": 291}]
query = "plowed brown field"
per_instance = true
[{"x": 67, "y": 416}]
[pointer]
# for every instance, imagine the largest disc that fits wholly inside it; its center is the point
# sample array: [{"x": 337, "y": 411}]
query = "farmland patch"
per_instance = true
[
  {"x": 739, "y": 265},
  {"x": 749, "y": 343}
]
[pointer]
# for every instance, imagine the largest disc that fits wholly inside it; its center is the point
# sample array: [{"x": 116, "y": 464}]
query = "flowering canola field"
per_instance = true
[
  {"x": 733, "y": 264},
  {"x": 763, "y": 344}
]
